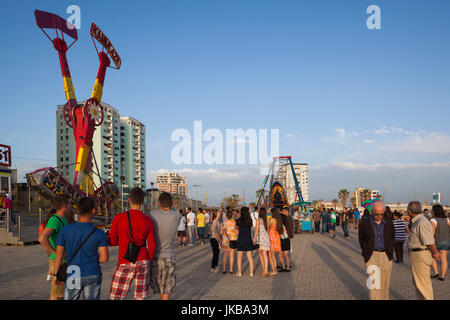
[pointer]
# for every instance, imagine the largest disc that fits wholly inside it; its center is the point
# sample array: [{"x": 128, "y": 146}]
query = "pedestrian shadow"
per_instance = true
[
  {"x": 198, "y": 282},
  {"x": 342, "y": 274},
  {"x": 347, "y": 260},
  {"x": 344, "y": 243}
]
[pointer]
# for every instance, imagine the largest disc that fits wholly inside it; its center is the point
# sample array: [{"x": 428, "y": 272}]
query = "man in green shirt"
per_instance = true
[
  {"x": 333, "y": 224},
  {"x": 50, "y": 234}
]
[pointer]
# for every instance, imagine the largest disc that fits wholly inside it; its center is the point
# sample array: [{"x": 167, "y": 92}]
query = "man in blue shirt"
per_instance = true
[
  {"x": 356, "y": 214},
  {"x": 324, "y": 216},
  {"x": 86, "y": 281}
]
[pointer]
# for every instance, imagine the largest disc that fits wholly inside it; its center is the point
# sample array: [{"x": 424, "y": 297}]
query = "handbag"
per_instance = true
[
  {"x": 133, "y": 249},
  {"x": 256, "y": 245},
  {"x": 61, "y": 275}
]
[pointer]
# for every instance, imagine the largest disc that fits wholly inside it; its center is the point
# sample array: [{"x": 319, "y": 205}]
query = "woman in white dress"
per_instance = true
[{"x": 262, "y": 238}]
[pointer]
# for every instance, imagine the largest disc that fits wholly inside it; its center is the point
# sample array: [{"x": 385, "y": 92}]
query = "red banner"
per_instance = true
[
  {"x": 104, "y": 41},
  {"x": 5, "y": 155}
]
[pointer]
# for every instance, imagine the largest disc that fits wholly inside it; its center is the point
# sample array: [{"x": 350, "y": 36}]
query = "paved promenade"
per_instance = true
[{"x": 325, "y": 268}]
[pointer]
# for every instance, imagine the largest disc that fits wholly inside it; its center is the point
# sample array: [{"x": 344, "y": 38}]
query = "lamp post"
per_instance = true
[
  {"x": 196, "y": 194},
  {"x": 29, "y": 198},
  {"x": 151, "y": 196},
  {"x": 122, "y": 178}
]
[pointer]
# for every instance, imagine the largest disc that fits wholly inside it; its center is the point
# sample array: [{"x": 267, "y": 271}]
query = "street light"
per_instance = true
[
  {"x": 122, "y": 178},
  {"x": 151, "y": 196},
  {"x": 196, "y": 194}
]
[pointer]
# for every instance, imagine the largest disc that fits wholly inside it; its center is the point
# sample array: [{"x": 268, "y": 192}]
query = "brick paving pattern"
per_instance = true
[{"x": 325, "y": 269}]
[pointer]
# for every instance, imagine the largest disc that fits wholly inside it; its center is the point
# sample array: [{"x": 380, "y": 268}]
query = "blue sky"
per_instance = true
[{"x": 362, "y": 107}]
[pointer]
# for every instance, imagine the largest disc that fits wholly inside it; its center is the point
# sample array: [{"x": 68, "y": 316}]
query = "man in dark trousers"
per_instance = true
[{"x": 376, "y": 238}]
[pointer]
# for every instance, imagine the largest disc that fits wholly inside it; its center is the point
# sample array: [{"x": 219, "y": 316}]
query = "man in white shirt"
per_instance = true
[
  {"x": 254, "y": 215},
  {"x": 191, "y": 226}
]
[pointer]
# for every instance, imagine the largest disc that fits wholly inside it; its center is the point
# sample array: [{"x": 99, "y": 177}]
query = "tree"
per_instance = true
[
  {"x": 365, "y": 194},
  {"x": 343, "y": 195},
  {"x": 231, "y": 201},
  {"x": 315, "y": 204},
  {"x": 353, "y": 202}
]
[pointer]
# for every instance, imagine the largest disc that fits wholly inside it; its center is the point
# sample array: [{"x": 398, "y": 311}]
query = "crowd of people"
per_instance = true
[
  {"x": 382, "y": 235},
  {"x": 146, "y": 243},
  {"x": 146, "y": 256},
  {"x": 238, "y": 231}
]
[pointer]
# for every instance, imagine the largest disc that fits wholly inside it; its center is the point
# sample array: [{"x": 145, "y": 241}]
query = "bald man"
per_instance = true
[{"x": 376, "y": 238}]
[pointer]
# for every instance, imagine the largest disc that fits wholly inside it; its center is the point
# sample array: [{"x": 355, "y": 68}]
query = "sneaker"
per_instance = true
[
  {"x": 273, "y": 273},
  {"x": 49, "y": 277}
]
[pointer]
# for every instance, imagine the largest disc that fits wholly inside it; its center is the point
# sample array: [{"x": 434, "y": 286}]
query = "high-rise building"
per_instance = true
[
  {"x": 301, "y": 172},
  {"x": 132, "y": 150},
  {"x": 116, "y": 149},
  {"x": 172, "y": 183}
]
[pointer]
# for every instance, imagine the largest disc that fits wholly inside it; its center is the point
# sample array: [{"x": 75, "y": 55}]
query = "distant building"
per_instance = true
[
  {"x": 132, "y": 150},
  {"x": 172, "y": 183},
  {"x": 358, "y": 195},
  {"x": 436, "y": 198},
  {"x": 301, "y": 172},
  {"x": 374, "y": 194},
  {"x": 118, "y": 149}
]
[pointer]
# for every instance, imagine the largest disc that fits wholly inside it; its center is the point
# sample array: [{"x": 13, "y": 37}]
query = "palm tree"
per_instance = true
[
  {"x": 353, "y": 202},
  {"x": 365, "y": 194},
  {"x": 315, "y": 204},
  {"x": 343, "y": 195}
]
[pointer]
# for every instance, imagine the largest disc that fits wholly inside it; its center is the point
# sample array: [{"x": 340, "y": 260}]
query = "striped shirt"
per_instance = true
[{"x": 400, "y": 230}]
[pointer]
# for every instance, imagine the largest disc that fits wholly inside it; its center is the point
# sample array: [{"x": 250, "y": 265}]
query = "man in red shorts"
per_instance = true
[{"x": 143, "y": 236}]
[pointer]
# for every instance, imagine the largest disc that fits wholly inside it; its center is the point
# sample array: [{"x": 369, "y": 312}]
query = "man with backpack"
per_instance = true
[
  {"x": 133, "y": 232},
  {"x": 49, "y": 235},
  {"x": 85, "y": 247}
]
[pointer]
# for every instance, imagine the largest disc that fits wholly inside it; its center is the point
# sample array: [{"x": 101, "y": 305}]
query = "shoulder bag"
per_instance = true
[
  {"x": 133, "y": 249},
  {"x": 61, "y": 275}
]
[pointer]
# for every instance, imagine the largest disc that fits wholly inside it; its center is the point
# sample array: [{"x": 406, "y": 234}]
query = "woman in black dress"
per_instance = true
[{"x": 244, "y": 241}]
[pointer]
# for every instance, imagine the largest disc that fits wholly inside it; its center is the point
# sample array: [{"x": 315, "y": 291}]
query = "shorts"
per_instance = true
[
  {"x": 286, "y": 244},
  {"x": 124, "y": 274},
  {"x": 181, "y": 234},
  {"x": 443, "y": 245},
  {"x": 55, "y": 292},
  {"x": 162, "y": 275}
]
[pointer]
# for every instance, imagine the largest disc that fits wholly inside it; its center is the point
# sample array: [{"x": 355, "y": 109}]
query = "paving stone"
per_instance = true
[{"x": 325, "y": 269}]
